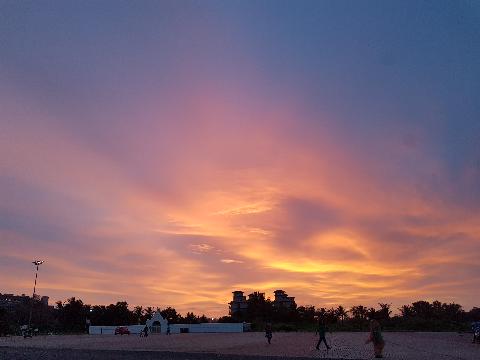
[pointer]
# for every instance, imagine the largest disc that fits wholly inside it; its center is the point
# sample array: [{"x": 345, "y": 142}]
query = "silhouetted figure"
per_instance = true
[
  {"x": 87, "y": 325},
  {"x": 376, "y": 338},
  {"x": 322, "y": 331},
  {"x": 268, "y": 332},
  {"x": 144, "y": 332},
  {"x": 168, "y": 329}
]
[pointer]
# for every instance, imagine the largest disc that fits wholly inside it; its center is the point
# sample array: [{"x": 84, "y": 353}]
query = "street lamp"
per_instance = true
[{"x": 37, "y": 263}]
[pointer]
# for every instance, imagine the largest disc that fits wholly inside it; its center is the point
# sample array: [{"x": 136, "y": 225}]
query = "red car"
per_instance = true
[{"x": 122, "y": 330}]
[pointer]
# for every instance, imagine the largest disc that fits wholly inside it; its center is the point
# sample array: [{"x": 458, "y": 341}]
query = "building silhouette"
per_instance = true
[
  {"x": 10, "y": 302},
  {"x": 283, "y": 301},
  {"x": 239, "y": 303}
]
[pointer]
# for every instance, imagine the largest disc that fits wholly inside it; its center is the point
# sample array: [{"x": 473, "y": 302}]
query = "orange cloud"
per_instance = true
[{"x": 210, "y": 195}]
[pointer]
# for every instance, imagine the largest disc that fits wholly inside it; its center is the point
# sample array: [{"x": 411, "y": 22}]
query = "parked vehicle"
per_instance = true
[{"x": 122, "y": 330}]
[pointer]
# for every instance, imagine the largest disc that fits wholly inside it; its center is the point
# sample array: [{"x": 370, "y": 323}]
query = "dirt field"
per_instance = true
[{"x": 438, "y": 346}]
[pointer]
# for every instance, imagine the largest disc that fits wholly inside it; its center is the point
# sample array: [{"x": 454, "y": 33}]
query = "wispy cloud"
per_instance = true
[
  {"x": 231, "y": 261},
  {"x": 201, "y": 248}
]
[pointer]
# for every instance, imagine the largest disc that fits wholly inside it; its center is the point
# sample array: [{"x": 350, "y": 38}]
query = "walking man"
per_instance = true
[
  {"x": 144, "y": 332},
  {"x": 268, "y": 332},
  {"x": 322, "y": 331}
]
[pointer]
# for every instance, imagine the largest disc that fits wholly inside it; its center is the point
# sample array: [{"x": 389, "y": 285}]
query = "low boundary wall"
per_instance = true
[
  {"x": 110, "y": 330},
  {"x": 177, "y": 328}
]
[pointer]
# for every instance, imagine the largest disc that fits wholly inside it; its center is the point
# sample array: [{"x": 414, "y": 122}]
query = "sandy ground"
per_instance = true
[{"x": 441, "y": 346}]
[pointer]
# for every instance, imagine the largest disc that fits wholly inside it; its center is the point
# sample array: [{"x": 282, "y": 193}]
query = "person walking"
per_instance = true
[
  {"x": 322, "y": 331},
  {"x": 144, "y": 332},
  {"x": 268, "y": 332},
  {"x": 376, "y": 338}
]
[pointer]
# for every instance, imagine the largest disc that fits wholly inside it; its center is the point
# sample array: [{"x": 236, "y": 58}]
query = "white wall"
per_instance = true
[
  {"x": 110, "y": 330},
  {"x": 208, "y": 328},
  {"x": 174, "y": 328}
]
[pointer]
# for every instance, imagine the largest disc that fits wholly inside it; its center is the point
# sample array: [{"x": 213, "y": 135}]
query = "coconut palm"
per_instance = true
[{"x": 341, "y": 313}]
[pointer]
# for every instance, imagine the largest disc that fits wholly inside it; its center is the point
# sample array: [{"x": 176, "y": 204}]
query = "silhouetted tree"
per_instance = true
[
  {"x": 384, "y": 313},
  {"x": 147, "y": 314},
  {"x": 422, "y": 315},
  {"x": 422, "y": 309},
  {"x": 259, "y": 308},
  {"x": 453, "y": 312},
  {"x": 203, "y": 319},
  {"x": 72, "y": 315},
  {"x": 371, "y": 313},
  {"x": 226, "y": 319},
  {"x": 341, "y": 313},
  {"x": 4, "y": 326},
  {"x": 171, "y": 315},
  {"x": 190, "y": 318},
  {"x": 331, "y": 316},
  {"x": 359, "y": 316},
  {"x": 406, "y": 311},
  {"x": 138, "y": 314},
  {"x": 119, "y": 314},
  {"x": 306, "y": 313},
  {"x": 321, "y": 314},
  {"x": 97, "y": 315},
  {"x": 473, "y": 315}
]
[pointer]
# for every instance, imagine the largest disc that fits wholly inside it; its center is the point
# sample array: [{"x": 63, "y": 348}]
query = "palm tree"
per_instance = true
[
  {"x": 332, "y": 316},
  {"x": 384, "y": 312},
  {"x": 321, "y": 314},
  {"x": 359, "y": 315},
  {"x": 341, "y": 313}
]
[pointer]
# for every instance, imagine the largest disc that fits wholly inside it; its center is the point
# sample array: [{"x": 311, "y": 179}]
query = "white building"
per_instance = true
[{"x": 158, "y": 325}]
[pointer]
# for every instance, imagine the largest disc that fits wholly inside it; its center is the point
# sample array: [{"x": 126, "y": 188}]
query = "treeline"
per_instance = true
[
  {"x": 72, "y": 316},
  {"x": 418, "y": 316}
]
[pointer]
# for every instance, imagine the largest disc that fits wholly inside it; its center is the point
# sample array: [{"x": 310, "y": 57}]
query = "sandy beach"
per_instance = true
[{"x": 441, "y": 346}]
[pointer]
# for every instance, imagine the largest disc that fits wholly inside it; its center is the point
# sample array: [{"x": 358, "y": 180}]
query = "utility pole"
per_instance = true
[{"x": 37, "y": 263}]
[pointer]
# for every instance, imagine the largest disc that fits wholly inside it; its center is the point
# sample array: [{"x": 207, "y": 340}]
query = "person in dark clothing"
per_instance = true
[
  {"x": 144, "y": 332},
  {"x": 268, "y": 332},
  {"x": 322, "y": 331},
  {"x": 376, "y": 338}
]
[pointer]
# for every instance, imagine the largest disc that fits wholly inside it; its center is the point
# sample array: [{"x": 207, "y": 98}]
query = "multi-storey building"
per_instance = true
[
  {"x": 238, "y": 304},
  {"x": 283, "y": 301}
]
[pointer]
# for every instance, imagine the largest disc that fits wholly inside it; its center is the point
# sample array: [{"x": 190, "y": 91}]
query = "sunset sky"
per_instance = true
[{"x": 167, "y": 153}]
